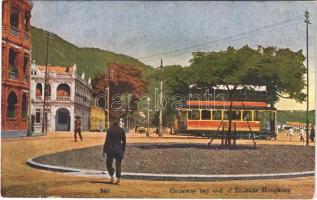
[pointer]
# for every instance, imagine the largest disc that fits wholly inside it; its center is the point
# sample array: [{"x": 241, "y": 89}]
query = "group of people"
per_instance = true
[
  {"x": 290, "y": 133},
  {"x": 114, "y": 147}
]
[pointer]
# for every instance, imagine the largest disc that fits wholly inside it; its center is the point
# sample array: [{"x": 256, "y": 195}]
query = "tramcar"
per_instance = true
[{"x": 212, "y": 117}]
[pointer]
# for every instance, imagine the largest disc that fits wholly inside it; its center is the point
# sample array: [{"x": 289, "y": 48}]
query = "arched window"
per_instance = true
[
  {"x": 38, "y": 89},
  {"x": 12, "y": 101},
  {"x": 24, "y": 106},
  {"x": 48, "y": 89},
  {"x": 63, "y": 90},
  {"x": 14, "y": 20},
  {"x": 25, "y": 67},
  {"x": 13, "y": 69},
  {"x": 27, "y": 16},
  {"x": 33, "y": 72}
]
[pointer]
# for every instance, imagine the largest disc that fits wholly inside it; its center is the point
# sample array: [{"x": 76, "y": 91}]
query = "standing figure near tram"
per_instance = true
[
  {"x": 312, "y": 133},
  {"x": 291, "y": 133},
  {"x": 302, "y": 133},
  {"x": 78, "y": 128}
]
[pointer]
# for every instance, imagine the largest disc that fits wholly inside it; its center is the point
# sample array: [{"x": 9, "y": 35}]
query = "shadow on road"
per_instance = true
[
  {"x": 195, "y": 146},
  {"x": 101, "y": 182}
]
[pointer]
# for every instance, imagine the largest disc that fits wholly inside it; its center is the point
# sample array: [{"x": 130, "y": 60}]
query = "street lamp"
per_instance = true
[{"x": 148, "y": 116}]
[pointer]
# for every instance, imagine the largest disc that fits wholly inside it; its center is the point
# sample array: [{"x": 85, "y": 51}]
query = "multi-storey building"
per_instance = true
[
  {"x": 16, "y": 15},
  {"x": 66, "y": 96}
]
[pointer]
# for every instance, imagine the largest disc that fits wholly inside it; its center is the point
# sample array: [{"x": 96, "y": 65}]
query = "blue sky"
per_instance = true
[{"x": 153, "y": 30}]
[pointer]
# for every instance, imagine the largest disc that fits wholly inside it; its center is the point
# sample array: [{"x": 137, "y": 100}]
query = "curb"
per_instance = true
[{"x": 168, "y": 177}]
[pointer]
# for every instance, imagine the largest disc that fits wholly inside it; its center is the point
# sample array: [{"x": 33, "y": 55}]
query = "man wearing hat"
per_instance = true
[
  {"x": 114, "y": 148},
  {"x": 77, "y": 128}
]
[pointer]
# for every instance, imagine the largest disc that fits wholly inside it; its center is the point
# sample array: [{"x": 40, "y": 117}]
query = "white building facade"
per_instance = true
[{"x": 67, "y": 96}]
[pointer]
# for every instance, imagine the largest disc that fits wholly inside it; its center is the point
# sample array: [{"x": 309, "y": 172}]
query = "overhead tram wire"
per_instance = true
[
  {"x": 279, "y": 23},
  {"x": 224, "y": 40},
  {"x": 218, "y": 40}
]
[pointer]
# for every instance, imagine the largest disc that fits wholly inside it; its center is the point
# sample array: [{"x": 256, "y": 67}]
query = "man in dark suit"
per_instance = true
[
  {"x": 78, "y": 129},
  {"x": 114, "y": 147}
]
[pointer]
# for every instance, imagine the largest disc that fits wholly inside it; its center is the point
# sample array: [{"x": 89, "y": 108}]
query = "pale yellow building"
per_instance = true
[{"x": 97, "y": 119}]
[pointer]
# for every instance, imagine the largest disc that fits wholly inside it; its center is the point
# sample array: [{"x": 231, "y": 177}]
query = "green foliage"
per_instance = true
[
  {"x": 63, "y": 53},
  {"x": 176, "y": 80},
  {"x": 280, "y": 70},
  {"x": 284, "y": 116}
]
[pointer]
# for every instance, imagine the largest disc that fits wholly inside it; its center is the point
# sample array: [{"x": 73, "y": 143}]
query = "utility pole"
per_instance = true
[
  {"x": 307, "y": 121},
  {"x": 161, "y": 103},
  {"x": 30, "y": 124},
  {"x": 108, "y": 76},
  {"x": 148, "y": 117},
  {"x": 44, "y": 123}
]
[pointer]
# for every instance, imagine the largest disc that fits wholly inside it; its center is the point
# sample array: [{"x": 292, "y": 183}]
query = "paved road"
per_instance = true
[{"x": 20, "y": 180}]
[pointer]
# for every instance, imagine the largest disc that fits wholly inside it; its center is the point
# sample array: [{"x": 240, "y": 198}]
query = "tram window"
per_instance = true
[
  {"x": 216, "y": 115},
  {"x": 236, "y": 115},
  {"x": 226, "y": 115},
  {"x": 247, "y": 116},
  {"x": 205, "y": 114},
  {"x": 194, "y": 114},
  {"x": 257, "y": 115}
]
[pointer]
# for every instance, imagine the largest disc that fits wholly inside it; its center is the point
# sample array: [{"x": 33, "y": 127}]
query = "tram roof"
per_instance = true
[{"x": 235, "y": 104}]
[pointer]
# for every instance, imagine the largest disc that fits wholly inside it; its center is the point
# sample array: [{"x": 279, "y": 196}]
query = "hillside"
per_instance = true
[{"x": 64, "y": 53}]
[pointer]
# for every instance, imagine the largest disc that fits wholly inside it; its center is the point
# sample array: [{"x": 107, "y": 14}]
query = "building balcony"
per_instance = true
[
  {"x": 13, "y": 75},
  {"x": 62, "y": 98},
  {"x": 63, "y": 75},
  {"x": 26, "y": 36},
  {"x": 39, "y": 98},
  {"x": 14, "y": 31}
]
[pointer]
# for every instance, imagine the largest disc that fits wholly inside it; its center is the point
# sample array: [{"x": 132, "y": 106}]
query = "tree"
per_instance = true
[
  {"x": 176, "y": 88},
  {"x": 268, "y": 67},
  {"x": 127, "y": 84},
  {"x": 282, "y": 72}
]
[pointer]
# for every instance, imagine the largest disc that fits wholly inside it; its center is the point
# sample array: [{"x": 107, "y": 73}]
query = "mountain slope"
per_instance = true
[{"x": 64, "y": 53}]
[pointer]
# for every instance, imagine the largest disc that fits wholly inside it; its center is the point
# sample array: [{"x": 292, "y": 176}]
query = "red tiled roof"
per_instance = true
[
  {"x": 295, "y": 124},
  {"x": 57, "y": 69}
]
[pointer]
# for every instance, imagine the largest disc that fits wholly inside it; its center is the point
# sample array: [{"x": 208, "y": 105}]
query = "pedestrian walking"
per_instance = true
[
  {"x": 291, "y": 133},
  {"x": 136, "y": 129},
  {"x": 302, "y": 133},
  {"x": 78, "y": 128},
  {"x": 114, "y": 148},
  {"x": 312, "y": 133}
]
